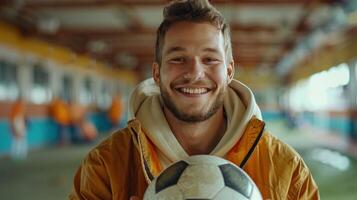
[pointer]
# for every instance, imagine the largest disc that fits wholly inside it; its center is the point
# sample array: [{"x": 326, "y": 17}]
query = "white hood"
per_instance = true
[{"x": 146, "y": 106}]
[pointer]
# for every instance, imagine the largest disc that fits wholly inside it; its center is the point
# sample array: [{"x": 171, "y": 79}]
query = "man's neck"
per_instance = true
[{"x": 200, "y": 137}]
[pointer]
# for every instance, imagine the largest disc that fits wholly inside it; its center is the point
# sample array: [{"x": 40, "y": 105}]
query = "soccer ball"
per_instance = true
[{"x": 202, "y": 177}]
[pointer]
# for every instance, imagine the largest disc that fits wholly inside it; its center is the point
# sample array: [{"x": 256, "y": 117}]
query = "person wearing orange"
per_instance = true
[
  {"x": 115, "y": 111},
  {"x": 60, "y": 113},
  {"x": 82, "y": 130},
  {"x": 192, "y": 106},
  {"x": 17, "y": 119},
  {"x": 89, "y": 131}
]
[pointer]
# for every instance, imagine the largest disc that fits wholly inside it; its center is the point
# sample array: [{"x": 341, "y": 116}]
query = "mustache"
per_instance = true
[{"x": 193, "y": 81}]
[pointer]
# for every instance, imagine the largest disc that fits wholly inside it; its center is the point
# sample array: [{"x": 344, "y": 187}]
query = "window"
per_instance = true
[
  {"x": 104, "y": 98},
  {"x": 40, "y": 92},
  {"x": 67, "y": 87},
  {"x": 8, "y": 81},
  {"x": 322, "y": 91},
  {"x": 86, "y": 92}
]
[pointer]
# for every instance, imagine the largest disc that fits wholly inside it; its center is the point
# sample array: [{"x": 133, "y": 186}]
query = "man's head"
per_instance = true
[
  {"x": 192, "y": 11},
  {"x": 194, "y": 61}
]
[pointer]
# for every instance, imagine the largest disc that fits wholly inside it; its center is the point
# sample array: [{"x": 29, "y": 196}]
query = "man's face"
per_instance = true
[{"x": 194, "y": 74}]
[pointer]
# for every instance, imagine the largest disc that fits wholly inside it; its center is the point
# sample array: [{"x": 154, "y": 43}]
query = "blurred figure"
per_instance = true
[
  {"x": 60, "y": 113},
  {"x": 77, "y": 115},
  {"x": 17, "y": 120},
  {"x": 115, "y": 111},
  {"x": 81, "y": 129},
  {"x": 89, "y": 131}
]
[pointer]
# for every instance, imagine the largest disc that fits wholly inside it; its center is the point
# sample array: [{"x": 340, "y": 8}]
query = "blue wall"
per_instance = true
[
  {"x": 43, "y": 131},
  {"x": 40, "y": 131},
  {"x": 100, "y": 120},
  {"x": 5, "y": 137},
  {"x": 341, "y": 125},
  {"x": 272, "y": 115}
]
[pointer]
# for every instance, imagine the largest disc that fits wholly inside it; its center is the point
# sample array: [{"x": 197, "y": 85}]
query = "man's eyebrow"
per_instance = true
[
  {"x": 178, "y": 48},
  {"x": 213, "y": 50},
  {"x": 174, "y": 49}
]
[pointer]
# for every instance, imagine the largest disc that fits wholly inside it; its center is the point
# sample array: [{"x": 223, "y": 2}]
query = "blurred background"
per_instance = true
[{"x": 67, "y": 68}]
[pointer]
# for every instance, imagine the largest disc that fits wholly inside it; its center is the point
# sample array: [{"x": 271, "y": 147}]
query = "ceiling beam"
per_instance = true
[
  {"x": 91, "y": 33},
  {"x": 36, "y": 4},
  {"x": 263, "y": 2},
  {"x": 101, "y": 3},
  {"x": 140, "y": 31},
  {"x": 301, "y": 28}
]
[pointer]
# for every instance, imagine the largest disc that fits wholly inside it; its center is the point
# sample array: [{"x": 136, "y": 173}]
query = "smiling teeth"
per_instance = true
[{"x": 194, "y": 90}]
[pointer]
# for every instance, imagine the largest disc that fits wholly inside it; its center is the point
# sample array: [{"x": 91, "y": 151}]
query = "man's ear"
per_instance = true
[
  {"x": 156, "y": 72},
  {"x": 230, "y": 71}
]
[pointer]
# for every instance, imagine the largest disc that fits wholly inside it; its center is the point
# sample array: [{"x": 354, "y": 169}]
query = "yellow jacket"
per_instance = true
[{"x": 114, "y": 169}]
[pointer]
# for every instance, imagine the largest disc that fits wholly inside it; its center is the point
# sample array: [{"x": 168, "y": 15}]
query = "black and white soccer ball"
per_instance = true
[{"x": 202, "y": 177}]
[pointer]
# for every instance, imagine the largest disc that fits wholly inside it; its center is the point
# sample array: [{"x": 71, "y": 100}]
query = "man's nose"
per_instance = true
[{"x": 195, "y": 70}]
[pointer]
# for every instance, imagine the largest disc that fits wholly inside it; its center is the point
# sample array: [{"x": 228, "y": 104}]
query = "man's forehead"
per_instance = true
[{"x": 200, "y": 36}]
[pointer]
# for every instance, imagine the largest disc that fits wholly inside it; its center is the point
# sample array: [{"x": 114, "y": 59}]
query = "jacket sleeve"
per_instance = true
[
  {"x": 91, "y": 180},
  {"x": 303, "y": 186}
]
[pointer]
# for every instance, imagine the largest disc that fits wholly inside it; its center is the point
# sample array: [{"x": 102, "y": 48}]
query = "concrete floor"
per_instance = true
[{"x": 47, "y": 173}]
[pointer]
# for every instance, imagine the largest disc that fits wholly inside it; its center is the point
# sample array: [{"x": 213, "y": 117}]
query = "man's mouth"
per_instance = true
[{"x": 193, "y": 91}]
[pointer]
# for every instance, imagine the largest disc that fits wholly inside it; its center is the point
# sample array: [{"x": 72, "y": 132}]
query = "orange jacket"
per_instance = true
[
  {"x": 17, "y": 119},
  {"x": 60, "y": 112},
  {"x": 114, "y": 112},
  {"x": 113, "y": 170}
]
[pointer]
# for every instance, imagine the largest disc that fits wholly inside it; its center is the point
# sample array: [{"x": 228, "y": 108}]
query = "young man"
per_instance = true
[{"x": 192, "y": 106}]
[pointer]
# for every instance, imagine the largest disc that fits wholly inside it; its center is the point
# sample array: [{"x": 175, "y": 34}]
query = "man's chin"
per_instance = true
[{"x": 193, "y": 117}]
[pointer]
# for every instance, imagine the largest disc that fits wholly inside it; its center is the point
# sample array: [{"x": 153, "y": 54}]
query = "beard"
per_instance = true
[{"x": 192, "y": 118}]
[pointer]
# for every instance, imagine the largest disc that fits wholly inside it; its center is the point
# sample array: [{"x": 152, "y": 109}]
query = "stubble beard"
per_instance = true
[{"x": 192, "y": 118}]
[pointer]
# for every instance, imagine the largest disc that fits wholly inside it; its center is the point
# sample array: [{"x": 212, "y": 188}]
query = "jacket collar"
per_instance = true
[
  {"x": 244, "y": 148},
  {"x": 238, "y": 154}
]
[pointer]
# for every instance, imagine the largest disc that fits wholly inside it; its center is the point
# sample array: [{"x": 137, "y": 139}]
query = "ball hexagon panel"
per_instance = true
[
  {"x": 201, "y": 181},
  {"x": 171, "y": 176},
  {"x": 236, "y": 179}
]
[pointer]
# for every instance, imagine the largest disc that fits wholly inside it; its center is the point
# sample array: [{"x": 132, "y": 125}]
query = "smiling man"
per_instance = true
[
  {"x": 191, "y": 106},
  {"x": 193, "y": 76}
]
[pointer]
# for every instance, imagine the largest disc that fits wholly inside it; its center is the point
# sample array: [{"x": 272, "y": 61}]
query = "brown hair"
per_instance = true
[{"x": 192, "y": 11}]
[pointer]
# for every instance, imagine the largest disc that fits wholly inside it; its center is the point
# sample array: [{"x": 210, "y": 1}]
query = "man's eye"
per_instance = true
[
  {"x": 210, "y": 60},
  {"x": 177, "y": 60}
]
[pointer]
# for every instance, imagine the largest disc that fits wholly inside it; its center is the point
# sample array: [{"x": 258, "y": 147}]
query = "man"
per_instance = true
[
  {"x": 192, "y": 106},
  {"x": 61, "y": 114},
  {"x": 17, "y": 119}
]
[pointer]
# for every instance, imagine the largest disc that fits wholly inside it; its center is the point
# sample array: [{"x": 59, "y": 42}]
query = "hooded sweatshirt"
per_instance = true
[
  {"x": 146, "y": 105},
  {"x": 124, "y": 164}
]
